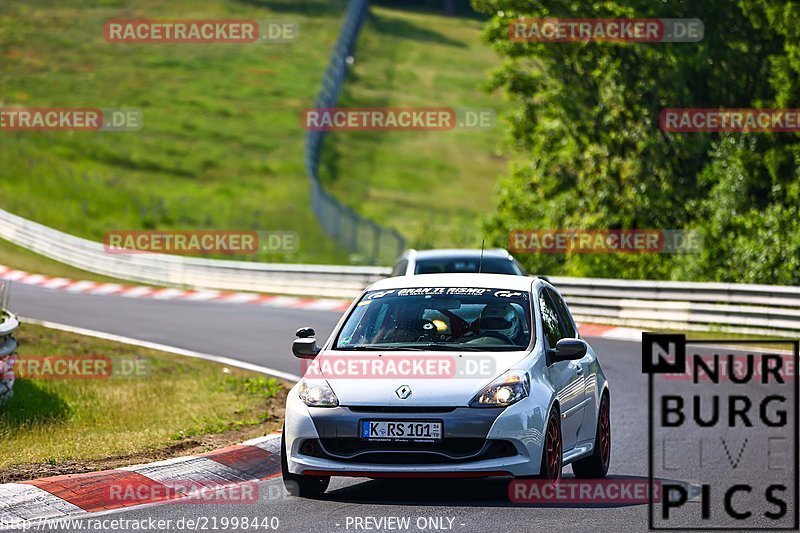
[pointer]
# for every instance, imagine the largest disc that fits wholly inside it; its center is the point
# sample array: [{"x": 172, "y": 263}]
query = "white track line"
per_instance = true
[{"x": 164, "y": 348}]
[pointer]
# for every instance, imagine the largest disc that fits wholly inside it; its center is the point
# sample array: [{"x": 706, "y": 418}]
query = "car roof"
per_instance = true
[
  {"x": 490, "y": 281},
  {"x": 455, "y": 253}
]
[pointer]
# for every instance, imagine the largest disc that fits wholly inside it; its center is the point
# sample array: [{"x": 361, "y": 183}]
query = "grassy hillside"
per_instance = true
[{"x": 222, "y": 143}]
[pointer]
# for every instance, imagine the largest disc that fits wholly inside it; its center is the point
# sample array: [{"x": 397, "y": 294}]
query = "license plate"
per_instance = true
[{"x": 401, "y": 430}]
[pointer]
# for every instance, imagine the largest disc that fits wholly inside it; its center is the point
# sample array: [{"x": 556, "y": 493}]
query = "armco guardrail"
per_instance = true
[
  {"x": 356, "y": 233},
  {"x": 657, "y": 305},
  {"x": 199, "y": 273},
  {"x": 8, "y": 344},
  {"x": 749, "y": 309}
]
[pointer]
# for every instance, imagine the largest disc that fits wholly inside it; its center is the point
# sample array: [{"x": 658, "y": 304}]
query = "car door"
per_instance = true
[{"x": 567, "y": 377}]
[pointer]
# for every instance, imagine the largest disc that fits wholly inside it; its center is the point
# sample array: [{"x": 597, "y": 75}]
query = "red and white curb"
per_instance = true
[
  {"x": 610, "y": 332},
  {"x": 160, "y": 293},
  {"x": 78, "y": 494}
]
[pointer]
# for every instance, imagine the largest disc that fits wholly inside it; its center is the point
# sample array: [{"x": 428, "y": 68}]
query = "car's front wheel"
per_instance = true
[
  {"x": 596, "y": 465},
  {"x": 552, "y": 458},
  {"x": 300, "y": 485}
]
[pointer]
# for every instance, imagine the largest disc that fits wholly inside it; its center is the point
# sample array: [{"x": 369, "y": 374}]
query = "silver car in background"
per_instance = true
[{"x": 457, "y": 261}]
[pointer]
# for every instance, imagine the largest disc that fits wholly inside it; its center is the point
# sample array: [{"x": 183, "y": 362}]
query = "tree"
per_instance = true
[{"x": 590, "y": 153}]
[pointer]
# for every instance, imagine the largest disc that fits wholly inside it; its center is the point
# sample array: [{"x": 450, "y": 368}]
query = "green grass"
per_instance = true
[
  {"x": 52, "y": 421},
  {"x": 20, "y": 258},
  {"x": 222, "y": 142},
  {"x": 433, "y": 186}
]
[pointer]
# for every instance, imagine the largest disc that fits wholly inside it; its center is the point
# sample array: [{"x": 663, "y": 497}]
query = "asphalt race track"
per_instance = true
[
  {"x": 263, "y": 335},
  {"x": 250, "y": 333}
]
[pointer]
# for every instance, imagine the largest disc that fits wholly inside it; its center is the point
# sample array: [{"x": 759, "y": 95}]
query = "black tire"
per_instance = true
[
  {"x": 300, "y": 485},
  {"x": 553, "y": 449},
  {"x": 596, "y": 465}
]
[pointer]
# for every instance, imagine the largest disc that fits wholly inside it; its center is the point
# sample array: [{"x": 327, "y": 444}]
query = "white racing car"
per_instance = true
[{"x": 451, "y": 375}]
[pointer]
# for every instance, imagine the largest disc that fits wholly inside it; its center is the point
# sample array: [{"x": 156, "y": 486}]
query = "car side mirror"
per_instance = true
[
  {"x": 305, "y": 345},
  {"x": 569, "y": 350},
  {"x": 305, "y": 348}
]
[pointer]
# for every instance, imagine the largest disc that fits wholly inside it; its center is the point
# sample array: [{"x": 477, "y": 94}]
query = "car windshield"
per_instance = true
[
  {"x": 439, "y": 318},
  {"x": 491, "y": 265}
]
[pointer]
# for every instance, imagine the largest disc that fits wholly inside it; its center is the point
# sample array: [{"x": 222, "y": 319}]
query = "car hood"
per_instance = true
[{"x": 434, "y": 378}]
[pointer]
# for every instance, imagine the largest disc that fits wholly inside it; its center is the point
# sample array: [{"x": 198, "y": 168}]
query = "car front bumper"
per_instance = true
[{"x": 477, "y": 442}]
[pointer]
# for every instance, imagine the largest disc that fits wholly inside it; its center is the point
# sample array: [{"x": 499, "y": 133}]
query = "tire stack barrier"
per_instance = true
[{"x": 8, "y": 345}]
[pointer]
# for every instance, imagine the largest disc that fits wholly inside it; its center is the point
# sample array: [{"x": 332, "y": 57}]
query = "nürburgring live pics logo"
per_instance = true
[{"x": 723, "y": 415}]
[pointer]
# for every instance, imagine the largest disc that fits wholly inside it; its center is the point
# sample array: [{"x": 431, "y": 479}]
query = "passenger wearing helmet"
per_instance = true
[{"x": 499, "y": 320}]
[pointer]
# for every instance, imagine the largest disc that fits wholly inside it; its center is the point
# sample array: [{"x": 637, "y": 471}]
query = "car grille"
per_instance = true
[
  {"x": 405, "y": 410},
  {"x": 447, "y": 451}
]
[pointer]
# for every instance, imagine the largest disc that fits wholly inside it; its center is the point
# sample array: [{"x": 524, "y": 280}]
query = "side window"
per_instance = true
[
  {"x": 399, "y": 269},
  {"x": 563, "y": 313},
  {"x": 550, "y": 322}
]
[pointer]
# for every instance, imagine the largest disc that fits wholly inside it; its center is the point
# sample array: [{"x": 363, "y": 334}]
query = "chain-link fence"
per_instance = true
[{"x": 359, "y": 235}]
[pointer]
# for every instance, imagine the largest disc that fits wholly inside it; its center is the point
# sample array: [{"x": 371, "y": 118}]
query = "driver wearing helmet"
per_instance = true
[{"x": 499, "y": 320}]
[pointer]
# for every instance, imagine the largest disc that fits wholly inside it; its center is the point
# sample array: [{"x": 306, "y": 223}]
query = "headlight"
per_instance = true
[
  {"x": 317, "y": 393},
  {"x": 508, "y": 389}
]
